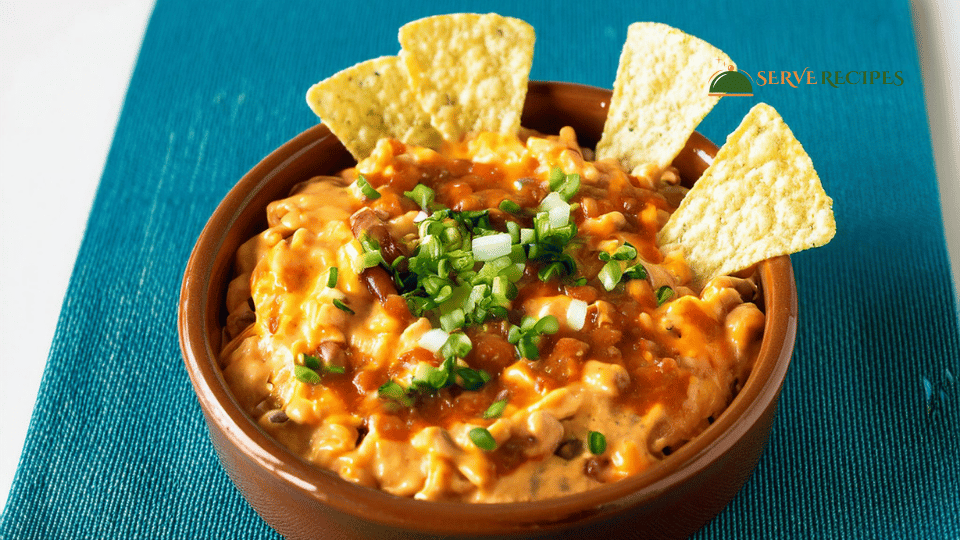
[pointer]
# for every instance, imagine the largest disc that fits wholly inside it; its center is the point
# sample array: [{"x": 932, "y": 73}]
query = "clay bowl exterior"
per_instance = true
[{"x": 674, "y": 499}]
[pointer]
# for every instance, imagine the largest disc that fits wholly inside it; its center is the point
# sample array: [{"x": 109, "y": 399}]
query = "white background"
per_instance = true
[{"x": 65, "y": 66}]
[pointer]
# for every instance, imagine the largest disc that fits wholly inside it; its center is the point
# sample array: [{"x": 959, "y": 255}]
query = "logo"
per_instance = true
[
  {"x": 731, "y": 82},
  {"x": 734, "y": 82}
]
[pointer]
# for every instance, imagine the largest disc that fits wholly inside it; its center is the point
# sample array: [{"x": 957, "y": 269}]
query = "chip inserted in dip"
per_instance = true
[{"x": 484, "y": 313}]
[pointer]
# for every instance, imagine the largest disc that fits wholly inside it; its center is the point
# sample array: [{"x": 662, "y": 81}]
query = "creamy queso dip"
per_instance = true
[{"x": 567, "y": 350}]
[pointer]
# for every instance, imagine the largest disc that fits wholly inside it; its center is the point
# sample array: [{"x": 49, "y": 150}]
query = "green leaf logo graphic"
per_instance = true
[{"x": 730, "y": 83}]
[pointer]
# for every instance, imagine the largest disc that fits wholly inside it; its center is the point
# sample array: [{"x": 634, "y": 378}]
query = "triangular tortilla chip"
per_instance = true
[
  {"x": 760, "y": 198},
  {"x": 369, "y": 101},
  {"x": 470, "y": 71},
  {"x": 659, "y": 97}
]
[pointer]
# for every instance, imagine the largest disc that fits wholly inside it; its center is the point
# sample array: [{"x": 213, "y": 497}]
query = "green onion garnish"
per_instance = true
[
  {"x": 610, "y": 275},
  {"x": 528, "y": 350},
  {"x": 556, "y": 178},
  {"x": 547, "y": 325},
  {"x": 341, "y": 306},
  {"x": 495, "y": 410},
  {"x": 626, "y": 252},
  {"x": 636, "y": 271},
  {"x": 311, "y": 362},
  {"x": 596, "y": 442},
  {"x": 490, "y": 247},
  {"x": 452, "y": 320},
  {"x": 565, "y": 185},
  {"x": 422, "y": 195},
  {"x": 570, "y": 187},
  {"x": 550, "y": 271},
  {"x": 313, "y": 368},
  {"x": 457, "y": 346},
  {"x": 472, "y": 379},
  {"x": 663, "y": 294},
  {"x": 393, "y": 391},
  {"x": 431, "y": 378},
  {"x": 527, "y": 236},
  {"x": 510, "y": 207},
  {"x": 526, "y": 337},
  {"x": 483, "y": 439},
  {"x": 332, "y": 277},
  {"x": 371, "y": 259},
  {"x": 366, "y": 188},
  {"x": 305, "y": 374}
]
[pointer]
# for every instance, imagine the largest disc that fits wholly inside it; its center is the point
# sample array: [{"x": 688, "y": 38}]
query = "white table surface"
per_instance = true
[{"x": 49, "y": 48}]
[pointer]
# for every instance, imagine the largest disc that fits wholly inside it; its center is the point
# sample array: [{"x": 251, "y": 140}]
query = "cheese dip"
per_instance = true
[{"x": 489, "y": 322}]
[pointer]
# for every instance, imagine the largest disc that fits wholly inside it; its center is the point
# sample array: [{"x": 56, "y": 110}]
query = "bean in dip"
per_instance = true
[{"x": 483, "y": 313}]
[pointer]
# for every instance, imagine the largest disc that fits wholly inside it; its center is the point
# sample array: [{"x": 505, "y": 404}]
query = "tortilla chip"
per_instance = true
[
  {"x": 659, "y": 97},
  {"x": 760, "y": 198},
  {"x": 470, "y": 71},
  {"x": 369, "y": 101}
]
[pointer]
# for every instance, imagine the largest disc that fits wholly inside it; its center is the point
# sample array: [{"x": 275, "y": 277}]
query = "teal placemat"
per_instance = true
[{"x": 867, "y": 440}]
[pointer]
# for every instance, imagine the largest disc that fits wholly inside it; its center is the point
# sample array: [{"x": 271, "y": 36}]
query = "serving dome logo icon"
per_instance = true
[{"x": 731, "y": 82}]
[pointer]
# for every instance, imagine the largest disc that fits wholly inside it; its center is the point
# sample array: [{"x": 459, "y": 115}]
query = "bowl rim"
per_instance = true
[{"x": 221, "y": 408}]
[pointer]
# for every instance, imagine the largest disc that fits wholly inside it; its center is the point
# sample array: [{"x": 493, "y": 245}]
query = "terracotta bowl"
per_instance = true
[{"x": 299, "y": 500}]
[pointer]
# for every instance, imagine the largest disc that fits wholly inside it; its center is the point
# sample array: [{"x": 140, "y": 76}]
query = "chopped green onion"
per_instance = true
[
  {"x": 498, "y": 312},
  {"x": 430, "y": 377},
  {"x": 663, "y": 294},
  {"x": 367, "y": 189},
  {"x": 513, "y": 229},
  {"x": 311, "y": 362},
  {"x": 452, "y": 320},
  {"x": 422, "y": 195},
  {"x": 547, "y": 325},
  {"x": 527, "y": 236},
  {"x": 559, "y": 216},
  {"x": 510, "y": 207},
  {"x": 626, "y": 252},
  {"x": 495, "y": 410},
  {"x": 451, "y": 236},
  {"x": 556, "y": 178},
  {"x": 393, "y": 391},
  {"x": 444, "y": 294},
  {"x": 473, "y": 219},
  {"x": 341, "y": 306},
  {"x": 433, "y": 340},
  {"x": 305, "y": 374},
  {"x": 565, "y": 185},
  {"x": 332, "y": 277},
  {"x": 551, "y": 201},
  {"x": 513, "y": 336},
  {"x": 457, "y": 346},
  {"x": 576, "y": 314},
  {"x": 596, "y": 442},
  {"x": 369, "y": 243},
  {"x": 527, "y": 323},
  {"x": 371, "y": 259},
  {"x": 483, "y": 439},
  {"x": 570, "y": 187},
  {"x": 314, "y": 365},
  {"x": 636, "y": 271},
  {"x": 472, "y": 379},
  {"x": 490, "y": 247},
  {"x": 528, "y": 350},
  {"x": 526, "y": 337},
  {"x": 550, "y": 271},
  {"x": 610, "y": 275}
]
